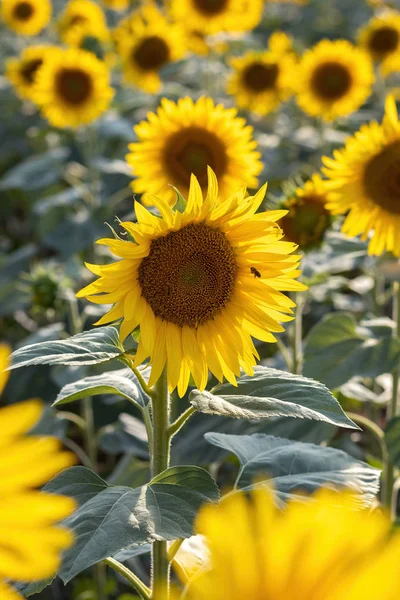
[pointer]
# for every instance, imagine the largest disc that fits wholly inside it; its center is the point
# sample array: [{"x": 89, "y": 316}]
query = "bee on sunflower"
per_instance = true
[
  {"x": 380, "y": 37},
  {"x": 26, "y": 17},
  {"x": 333, "y": 79},
  {"x": 22, "y": 71},
  {"x": 186, "y": 280},
  {"x": 82, "y": 19},
  {"x": 184, "y": 138},
  {"x": 72, "y": 88},
  {"x": 365, "y": 180}
]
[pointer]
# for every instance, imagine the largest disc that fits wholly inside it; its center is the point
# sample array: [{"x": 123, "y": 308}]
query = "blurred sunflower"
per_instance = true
[
  {"x": 262, "y": 80},
  {"x": 323, "y": 549},
  {"x": 215, "y": 16},
  {"x": 199, "y": 283},
  {"x": 186, "y": 137},
  {"x": 22, "y": 71},
  {"x": 147, "y": 42},
  {"x": 26, "y": 17},
  {"x": 365, "y": 179},
  {"x": 82, "y": 19},
  {"x": 117, "y": 4},
  {"x": 390, "y": 65},
  {"x": 280, "y": 43},
  {"x": 381, "y": 36},
  {"x": 307, "y": 219},
  {"x": 72, "y": 88},
  {"x": 334, "y": 78},
  {"x": 30, "y": 542}
]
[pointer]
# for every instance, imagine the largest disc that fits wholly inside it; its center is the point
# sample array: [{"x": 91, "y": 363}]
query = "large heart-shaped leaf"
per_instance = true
[
  {"x": 292, "y": 466},
  {"x": 80, "y": 483},
  {"x": 273, "y": 393}
]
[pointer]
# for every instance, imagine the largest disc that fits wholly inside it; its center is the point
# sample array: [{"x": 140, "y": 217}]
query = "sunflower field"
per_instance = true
[{"x": 200, "y": 299}]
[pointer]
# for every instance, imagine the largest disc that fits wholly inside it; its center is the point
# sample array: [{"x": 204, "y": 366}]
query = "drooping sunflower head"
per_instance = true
[
  {"x": 82, "y": 19},
  {"x": 381, "y": 36},
  {"x": 186, "y": 137},
  {"x": 262, "y": 80},
  {"x": 215, "y": 16},
  {"x": 26, "y": 17},
  {"x": 307, "y": 219},
  {"x": 365, "y": 179},
  {"x": 72, "y": 88},
  {"x": 22, "y": 71},
  {"x": 334, "y": 79},
  {"x": 199, "y": 284}
]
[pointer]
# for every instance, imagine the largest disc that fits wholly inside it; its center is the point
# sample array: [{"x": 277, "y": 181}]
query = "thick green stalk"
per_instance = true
[
  {"x": 135, "y": 582},
  {"x": 297, "y": 332}
]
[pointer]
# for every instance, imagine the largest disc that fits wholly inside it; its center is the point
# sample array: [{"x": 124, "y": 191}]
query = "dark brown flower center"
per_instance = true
[
  {"x": 74, "y": 86},
  {"x": 331, "y": 81},
  {"x": 210, "y": 7},
  {"x": 190, "y": 151},
  {"x": 30, "y": 68},
  {"x": 382, "y": 178},
  {"x": 259, "y": 77},
  {"x": 384, "y": 41},
  {"x": 23, "y": 11},
  {"x": 306, "y": 222},
  {"x": 189, "y": 275},
  {"x": 151, "y": 54}
]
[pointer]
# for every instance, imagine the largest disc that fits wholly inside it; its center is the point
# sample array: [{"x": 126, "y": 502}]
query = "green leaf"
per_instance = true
[
  {"x": 337, "y": 349},
  {"x": 77, "y": 482},
  {"x": 273, "y": 393},
  {"x": 119, "y": 517},
  {"x": 293, "y": 467},
  {"x": 121, "y": 383},
  {"x": 180, "y": 204},
  {"x": 36, "y": 172},
  {"x": 88, "y": 348},
  {"x": 33, "y": 587},
  {"x": 392, "y": 439}
]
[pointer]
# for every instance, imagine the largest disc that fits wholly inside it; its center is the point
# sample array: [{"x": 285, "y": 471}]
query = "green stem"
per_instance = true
[
  {"x": 373, "y": 429},
  {"x": 133, "y": 579},
  {"x": 297, "y": 336},
  {"x": 160, "y": 462},
  {"x": 180, "y": 421},
  {"x": 90, "y": 433}
]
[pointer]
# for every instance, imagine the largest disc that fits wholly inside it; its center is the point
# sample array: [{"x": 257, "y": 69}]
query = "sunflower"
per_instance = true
[
  {"x": 280, "y": 43},
  {"x": 365, "y": 179},
  {"x": 262, "y": 80},
  {"x": 30, "y": 542},
  {"x": 324, "y": 549},
  {"x": 22, "y": 71},
  {"x": 147, "y": 42},
  {"x": 72, "y": 88},
  {"x": 334, "y": 79},
  {"x": 183, "y": 138},
  {"x": 26, "y": 17},
  {"x": 390, "y": 65},
  {"x": 214, "y": 16},
  {"x": 82, "y": 19},
  {"x": 117, "y": 4},
  {"x": 307, "y": 219},
  {"x": 199, "y": 283},
  {"x": 381, "y": 36}
]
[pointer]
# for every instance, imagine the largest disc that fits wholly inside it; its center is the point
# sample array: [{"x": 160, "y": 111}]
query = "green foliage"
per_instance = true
[{"x": 392, "y": 440}]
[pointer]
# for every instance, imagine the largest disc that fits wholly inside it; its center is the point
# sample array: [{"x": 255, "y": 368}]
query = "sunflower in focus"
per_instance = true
[
  {"x": 199, "y": 284},
  {"x": 26, "y": 17},
  {"x": 72, "y": 88},
  {"x": 261, "y": 81},
  {"x": 82, "y": 19},
  {"x": 381, "y": 36},
  {"x": 147, "y": 42},
  {"x": 184, "y": 138},
  {"x": 365, "y": 179},
  {"x": 30, "y": 540},
  {"x": 22, "y": 71},
  {"x": 215, "y": 16},
  {"x": 324, "y": 549},
  {"x": 307, "y": 219}
]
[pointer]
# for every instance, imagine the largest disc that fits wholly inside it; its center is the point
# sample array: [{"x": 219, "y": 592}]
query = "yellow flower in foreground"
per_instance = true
[
  {"x": 215, "y": 16},
  {"x": 199, "y": 284},
  {"x": 334, "y": 79},
  {"x": 321, "y": 549},
  {"x": 30, "y": 542},
  {"x": 22, "y": 71},
  {"x": 26, "y": 17},
  {"x": 72, "y": 88},
  {"x": 381, "y": 36},
  {"x": 183, "y": 138},
  {"x": 365, "y": 179},
  {"x": 82, "y": 19}
]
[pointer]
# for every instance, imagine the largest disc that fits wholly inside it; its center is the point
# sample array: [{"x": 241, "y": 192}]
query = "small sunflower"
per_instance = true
[
  {"x": 390, "y": 65},
  {"x": 117, "y": 4},
  {"x": 215, "y": 16},
  {"x": 262, "y": 80},
  {"x": 72, "y": 88},
  {"x": 381, "y": 36},
  {"x": 22, "y": 71},
  {"x": 307, "y": 219},
  {"x": 26, "y": 17},
  {"x": 184, "y": 138},
  {"x": 280, "y": 43},
  {"x": 334, "y": 78},
  {"x": 365, "y": 179},
  {"x": 199, "y": 283},
  {"x": 147, "y": 42},
  {"x": 82, "y": 19}
]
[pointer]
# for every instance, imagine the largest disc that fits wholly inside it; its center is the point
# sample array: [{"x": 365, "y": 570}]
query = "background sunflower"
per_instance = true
[
  {"x": 214, "y": 16},
  {"x": 82, "y": 19},
  {"x": 380, "y": 37},
  {"x": 22, "y": 71},
  {"x": 26, "y": 17}
]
